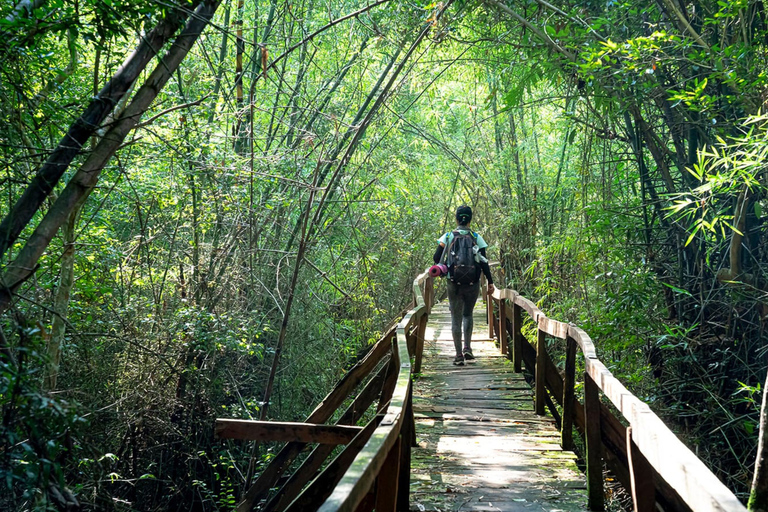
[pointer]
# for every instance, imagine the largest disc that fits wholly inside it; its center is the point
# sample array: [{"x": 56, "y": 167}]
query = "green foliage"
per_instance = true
[
  {"x": 606, "y": 186},
  {"x": 39, "y": 432}
]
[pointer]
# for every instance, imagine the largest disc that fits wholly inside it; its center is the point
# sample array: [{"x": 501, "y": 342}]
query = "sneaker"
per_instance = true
[
  {"x": 458, "y": 361},
  {"x": 468, "y": 355}
]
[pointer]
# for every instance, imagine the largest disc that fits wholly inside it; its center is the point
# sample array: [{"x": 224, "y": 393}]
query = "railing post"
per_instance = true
[
  {"x": 429, "y": 293},
  {"x": 595, "y": 493},
  {"x": 541, "y": 371},
  {"x": 410, "y": 339},
  {"x": 517, "y": 338},
  {"x": 407, "y": 440},
  {"x": 641, "y": 477},
  {"x": 503, "y": 327},
  {"x": 489, "y": 310},
  {"x": 429, "y": 299},
  {"x": 566, "y": 429},
  {"x": 387, "y": 481},
  {"x": 419, "y": 350}
]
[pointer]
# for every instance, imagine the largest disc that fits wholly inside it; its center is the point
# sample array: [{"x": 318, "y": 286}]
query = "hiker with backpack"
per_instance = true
[{"x": 463, "y": 252}]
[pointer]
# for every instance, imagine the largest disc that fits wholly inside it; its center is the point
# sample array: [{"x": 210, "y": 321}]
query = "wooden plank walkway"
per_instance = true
[{"x": 481, "y": 447}]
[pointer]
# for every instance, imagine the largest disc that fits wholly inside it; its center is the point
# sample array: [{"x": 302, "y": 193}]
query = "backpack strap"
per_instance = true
[
  {"x": 445, "y": 248},
  {"x": 448, "y": 243}
]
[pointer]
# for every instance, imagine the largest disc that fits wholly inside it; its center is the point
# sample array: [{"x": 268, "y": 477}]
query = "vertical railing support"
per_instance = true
[
  {"x": 429, "y": 293},
  {"x": 503, "y": 327},
  {"x": 388, "y": 479},
  {"x": 541, "y": 372},
  {"x": 595, "y": 495},
  {"x": 566, "y": 428},
  {"x": 410, "y": 340},
  {"x": 421, "y": 330},
  {"x": 489, "y": 312},
  {"x": 517, "y": 338},
  {"x": 641, "y": 477},
  {"x": 407, "y": 440}
]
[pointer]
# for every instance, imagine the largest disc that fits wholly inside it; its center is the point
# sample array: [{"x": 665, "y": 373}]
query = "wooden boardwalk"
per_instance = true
[{"x": 481, "y": 447}]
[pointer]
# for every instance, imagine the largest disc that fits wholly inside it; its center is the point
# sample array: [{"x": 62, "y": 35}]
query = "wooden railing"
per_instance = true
[
  {"x": 373, "y": 469},
  {"x": 645, "y": 456}
]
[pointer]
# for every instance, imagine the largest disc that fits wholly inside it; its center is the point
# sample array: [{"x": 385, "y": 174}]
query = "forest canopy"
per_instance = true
[{"x": 213, "y": 207}]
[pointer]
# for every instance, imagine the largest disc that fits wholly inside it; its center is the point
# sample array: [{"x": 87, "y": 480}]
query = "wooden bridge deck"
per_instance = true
[{"x": 481, "y": 447}]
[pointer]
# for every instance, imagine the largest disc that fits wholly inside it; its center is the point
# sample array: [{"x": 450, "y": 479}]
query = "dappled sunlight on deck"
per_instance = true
[{"x": 480, "y": 445}]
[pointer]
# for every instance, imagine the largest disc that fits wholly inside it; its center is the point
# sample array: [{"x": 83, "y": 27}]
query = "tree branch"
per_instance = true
[
  {"x": 168, "y": 111},
  {"x": 686, "y": 25},
  {"x": 530, "y": 26}
]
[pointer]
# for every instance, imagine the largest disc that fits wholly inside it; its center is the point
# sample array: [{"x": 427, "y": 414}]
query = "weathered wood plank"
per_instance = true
[
  {"x": 489, "y": 313},
  {"x": 322, "y": 486},
  {"x": 387, "y": 481},
  {"x": 502, "y": 327},
  {"x": 641, "y": 474},
  {"x": 284, "y": 431},
  {"x": 541, "y": 362},
  {"x": 407, "y": 441},
  {"x": 647, "y": 451},
  {"x": 356, "y": 482},
  {"x": 584, "y": 341},
  {"x": 419, "y": 352},
  {"x": 553, "y": 327},
  {"x": 613, "y": 432},
  {"x": 291, "y": 488},
  {"x": 517, "y": 342},
  {"x": 682, "y": 472},
  {"x": 594, "y": 445},
  {"x": 529, "y": 306},
  {"x": 477, "y": 449},
  {"x": 322, "y": 412},
  {"x": 670, "y": 458},
  {"x": 569, "y": 379}
]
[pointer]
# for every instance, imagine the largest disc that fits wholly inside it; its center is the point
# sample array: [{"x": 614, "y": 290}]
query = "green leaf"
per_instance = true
[{"x": 678, "y": 290}]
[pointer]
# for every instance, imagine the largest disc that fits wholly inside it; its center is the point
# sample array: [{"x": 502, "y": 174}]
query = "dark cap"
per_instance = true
[{"x": 463, "y": 214}]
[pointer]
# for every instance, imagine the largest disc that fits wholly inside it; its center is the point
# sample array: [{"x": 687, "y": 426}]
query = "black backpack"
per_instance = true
[{"x": 462, "y": 267}]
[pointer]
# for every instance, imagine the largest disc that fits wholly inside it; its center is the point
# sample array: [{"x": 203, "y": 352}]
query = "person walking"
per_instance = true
[{"x": 463, "y": 252}]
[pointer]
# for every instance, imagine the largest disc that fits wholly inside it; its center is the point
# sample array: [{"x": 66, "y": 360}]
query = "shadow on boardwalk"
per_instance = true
[{"x": 481, "y": 447}]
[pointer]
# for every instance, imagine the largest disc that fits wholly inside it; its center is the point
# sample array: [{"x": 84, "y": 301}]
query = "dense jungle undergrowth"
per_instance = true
[{"x": 198, "y": 192}]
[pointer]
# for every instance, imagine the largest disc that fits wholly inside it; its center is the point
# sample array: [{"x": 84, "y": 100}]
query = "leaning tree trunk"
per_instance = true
[
  {"x": 758, "y": 496},
  {"x": 360, "y": 128},
  {"x": 85, "y": 179},
  {"x": 84, "y": 127}
]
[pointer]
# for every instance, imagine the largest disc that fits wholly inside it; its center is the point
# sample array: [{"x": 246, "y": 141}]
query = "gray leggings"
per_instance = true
[{"x": 462, "y": 301}]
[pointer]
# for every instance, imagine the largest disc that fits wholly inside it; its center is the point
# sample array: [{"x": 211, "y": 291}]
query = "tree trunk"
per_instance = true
[
  {"x": 240, "y": 46},
  {"x": 522, "y": 202},
  {"x": 758, "y": 495},
  {"x": 359, "y": 131},
  {"x": 219, "y": 72},
  {"x": 58, "y": 162},
  {"x": 61, "y": 300},
  {"x": 87, "y": 176}
]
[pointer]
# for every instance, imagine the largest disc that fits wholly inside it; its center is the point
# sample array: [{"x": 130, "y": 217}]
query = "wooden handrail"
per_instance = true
[
  {"x": 361, "y": 476},
  {"x": 271, "y": 474},
  {"x": 647, "y": 438},
  {"x": 375, "y": 457},
  {"x": 285, "y": 431},
  {"x": 373, "y": 470}
]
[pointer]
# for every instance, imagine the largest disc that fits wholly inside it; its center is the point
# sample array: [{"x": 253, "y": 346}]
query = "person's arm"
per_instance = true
[
  {"x": 486, "y": 268},
  {"x": 438, "y": 253}
]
